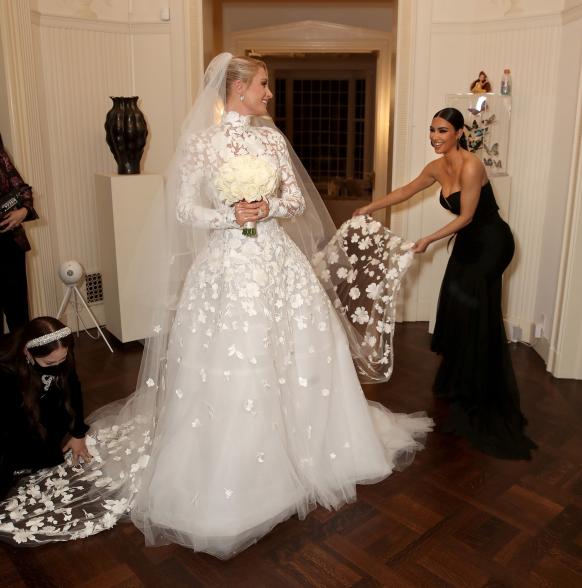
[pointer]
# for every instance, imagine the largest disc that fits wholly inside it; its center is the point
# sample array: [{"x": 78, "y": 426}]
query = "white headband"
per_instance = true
[{"x": 48, "y": 338}]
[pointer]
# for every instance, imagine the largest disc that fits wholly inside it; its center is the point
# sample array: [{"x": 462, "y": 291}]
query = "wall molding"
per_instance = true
[
  {"x": 101, "y": 26},
  {"x": 572, "y": 14},
  {"x": 500, "y": 25},
  {"x": 401, "y": 159},
  {"x": 510, "y": 23},
  {"x": 149, "y": 28},
  {"x": 312, "y": 35},
  {"x": 413, "y": 69},
  {"x": 565, "y": 360}
]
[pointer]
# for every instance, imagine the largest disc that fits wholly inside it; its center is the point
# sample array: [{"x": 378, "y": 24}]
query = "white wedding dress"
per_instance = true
[{"x": 263, "y": 416}]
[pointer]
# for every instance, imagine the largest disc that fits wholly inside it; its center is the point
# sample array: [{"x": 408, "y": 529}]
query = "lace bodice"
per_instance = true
[{"x": 198, "y": 200}]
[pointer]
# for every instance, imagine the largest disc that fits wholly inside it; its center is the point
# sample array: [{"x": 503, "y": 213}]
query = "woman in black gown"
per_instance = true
[
  {"x": 41, "y": 400},
  {"x": 475, "y": 376}
]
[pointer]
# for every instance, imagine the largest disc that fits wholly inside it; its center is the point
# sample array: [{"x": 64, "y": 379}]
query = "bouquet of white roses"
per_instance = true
[{"x": 246, "y": 178}]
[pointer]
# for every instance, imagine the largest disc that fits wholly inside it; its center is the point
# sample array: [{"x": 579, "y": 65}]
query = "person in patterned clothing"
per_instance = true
[{"x": 14, "y": 245}]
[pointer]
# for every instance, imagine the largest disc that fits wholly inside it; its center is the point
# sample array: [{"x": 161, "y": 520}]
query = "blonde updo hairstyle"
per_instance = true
[{"x": 243, "y": 69}]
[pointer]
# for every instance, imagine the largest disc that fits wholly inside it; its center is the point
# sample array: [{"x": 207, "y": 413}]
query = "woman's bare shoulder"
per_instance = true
[
  {"x": 473, "y": 168},
  {"x": 433, "y": 168}
]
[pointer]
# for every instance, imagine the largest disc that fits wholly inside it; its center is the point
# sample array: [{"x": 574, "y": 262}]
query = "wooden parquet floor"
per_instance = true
[{"x": 454, "y": 518}]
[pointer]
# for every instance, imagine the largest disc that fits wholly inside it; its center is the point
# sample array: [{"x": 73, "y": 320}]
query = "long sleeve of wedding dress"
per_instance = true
[
  {"x": 290, "y": 201},
  {"x": 192, "y": 181}
]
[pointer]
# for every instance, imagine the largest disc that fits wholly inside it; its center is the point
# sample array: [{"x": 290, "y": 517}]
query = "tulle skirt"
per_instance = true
[{"x": 260, "y": 417}]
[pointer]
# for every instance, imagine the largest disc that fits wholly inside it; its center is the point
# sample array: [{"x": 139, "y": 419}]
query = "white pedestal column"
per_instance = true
[{"x": 125, "y": 205}]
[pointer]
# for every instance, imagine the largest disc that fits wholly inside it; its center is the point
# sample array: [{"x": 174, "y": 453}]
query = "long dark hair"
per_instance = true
[
  {"x": 14, "y": 360},
  {"x": 455, "y": 117}
]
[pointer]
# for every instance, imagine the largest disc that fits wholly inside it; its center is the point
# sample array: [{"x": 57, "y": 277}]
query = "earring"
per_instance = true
[
  {"x": 242, "y": 98},
  {"x": 29, "y": 360}
]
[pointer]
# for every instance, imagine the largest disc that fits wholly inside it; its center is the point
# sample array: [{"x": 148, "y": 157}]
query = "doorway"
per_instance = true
[{"x": 324, "y": 103}]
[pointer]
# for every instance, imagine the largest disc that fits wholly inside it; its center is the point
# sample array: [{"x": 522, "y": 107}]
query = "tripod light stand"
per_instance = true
[{"x": 71, "y": 273}]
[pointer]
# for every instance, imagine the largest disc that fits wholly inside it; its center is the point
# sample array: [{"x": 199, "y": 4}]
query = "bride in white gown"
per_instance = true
[{"x": 249, "y": 408}]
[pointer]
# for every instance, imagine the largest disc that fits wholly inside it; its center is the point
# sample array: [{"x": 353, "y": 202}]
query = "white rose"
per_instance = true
[{"x": 246, "y": 177}]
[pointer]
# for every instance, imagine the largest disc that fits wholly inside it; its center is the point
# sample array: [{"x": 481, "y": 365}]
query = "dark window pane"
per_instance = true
[{"x": 320, "y": 125}]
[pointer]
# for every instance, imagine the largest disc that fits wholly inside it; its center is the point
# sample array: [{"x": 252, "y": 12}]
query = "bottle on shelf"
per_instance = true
[{"x": 506, "y": 82}]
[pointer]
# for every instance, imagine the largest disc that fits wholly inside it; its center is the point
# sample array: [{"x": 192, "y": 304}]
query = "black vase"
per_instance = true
[{"x": 126, "y": 132}]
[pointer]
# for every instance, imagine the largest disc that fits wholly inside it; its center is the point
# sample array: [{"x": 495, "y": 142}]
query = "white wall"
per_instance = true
[
  {"x": 560, "y": 155},
  {"x": 471, "y": 11},
  {"x": 105, "y": 10},
  {"x": 251, "y": 15},
  {"x": 568, "y": 4},
  {"x": 82, "y": 61},
  {"x": 4, "y": 115}
]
